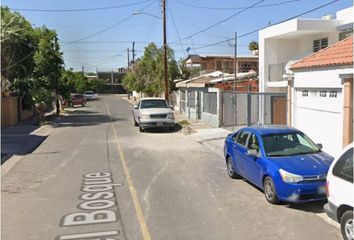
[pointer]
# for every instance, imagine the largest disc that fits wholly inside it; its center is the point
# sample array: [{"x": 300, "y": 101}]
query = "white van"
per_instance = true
[{"x": 340, "y": 192}]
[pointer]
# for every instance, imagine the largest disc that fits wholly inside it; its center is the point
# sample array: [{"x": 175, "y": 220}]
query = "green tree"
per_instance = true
[
  {"x": 18, "y": 44},
  {"x": 147, "y": 75},
  {"x": 49, "y": 62}
]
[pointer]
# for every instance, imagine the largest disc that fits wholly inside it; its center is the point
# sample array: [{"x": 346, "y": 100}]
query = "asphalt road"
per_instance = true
[{"x": 97, "y": 177}]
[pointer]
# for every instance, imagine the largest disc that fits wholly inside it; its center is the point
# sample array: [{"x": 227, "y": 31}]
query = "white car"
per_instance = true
[
  {"x": 153, "y": 113},
  {"x": 340, "y": 192},
  {"x": 90, "y": 95}
]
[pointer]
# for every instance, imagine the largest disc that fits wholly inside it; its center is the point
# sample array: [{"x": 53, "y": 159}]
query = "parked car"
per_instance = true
[
  {"x": 153, "y": 113},
  {"x": 90, "y": 95},
  {"x": 340, "y": 192},
  {"x": 75, "y": 99},
  {"x": 282, "y": 161}
]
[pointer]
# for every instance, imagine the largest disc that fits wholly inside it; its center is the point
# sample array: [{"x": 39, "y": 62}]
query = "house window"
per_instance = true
[
  {"x": 323, "y": 94},
  {"x": 305, "y": 93},
  {"x": 320, "y": 44},
  {"x": 333, "y": 94}
]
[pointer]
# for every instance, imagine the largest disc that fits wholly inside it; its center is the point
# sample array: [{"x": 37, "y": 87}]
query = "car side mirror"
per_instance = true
[
  {"x": 319, "y": 145},
  {"x": 135, "y": 106},
  {"x": 252, "y": 152}
]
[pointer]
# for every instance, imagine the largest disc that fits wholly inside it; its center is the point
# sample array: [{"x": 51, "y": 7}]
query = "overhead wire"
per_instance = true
[
  {"x": 111, "y": 26},
  {"x": 234, "y": 8},
  {"x": 175, "y": 26},
  {"x": 79, "y": 9},
  {"x": 223, "y": 20},
  {"x": 259, "y": 29}
]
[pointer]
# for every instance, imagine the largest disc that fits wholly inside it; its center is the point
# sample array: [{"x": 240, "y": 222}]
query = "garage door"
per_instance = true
[{"x": 318, "y": 113}]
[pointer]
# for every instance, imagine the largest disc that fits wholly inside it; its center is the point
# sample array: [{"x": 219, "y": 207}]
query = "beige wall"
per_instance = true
[
  {"x": 9, "y": 111},
  {"x": 348, "y": 112},
  {"x": 9, "y": 114}
]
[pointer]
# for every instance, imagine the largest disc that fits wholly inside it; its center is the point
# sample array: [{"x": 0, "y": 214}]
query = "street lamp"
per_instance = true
[
  {"x": 164, "y": 42},
  {"x": 145, "y": 13}
]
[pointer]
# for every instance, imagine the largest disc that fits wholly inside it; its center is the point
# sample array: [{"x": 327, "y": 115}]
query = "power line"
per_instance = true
[
  {"x": 234, "y": 8},
  {"x": 257, "y": 30},
  {"x": 109, "y": 27},
  {"x": 179, "y": 38},
  {"x": 79, "y": 9},
  {"x": 223, "y": 20}
]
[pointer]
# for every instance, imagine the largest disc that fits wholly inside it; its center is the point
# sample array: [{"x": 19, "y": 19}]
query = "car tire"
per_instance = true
[
  {"x": 231, "y": 169},
  {"x": 141, "y": 129},
  {"x": 135, "y": 123},
  {"x": 172, "y": 129},
  {"x": 346, "y": 225},
  {"x": 270, "y": 192}
]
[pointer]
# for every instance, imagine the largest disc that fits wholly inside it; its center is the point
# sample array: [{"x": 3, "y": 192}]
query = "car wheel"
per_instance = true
[
  {"x": 141, "y": 129},
  {"x": 231, "y": 169},
  {"x": 270, "y": 191},
  {"x": 172, "y": 129},
  {"x": 347, "y": 225},
  {"x": 135, "y": 123}
]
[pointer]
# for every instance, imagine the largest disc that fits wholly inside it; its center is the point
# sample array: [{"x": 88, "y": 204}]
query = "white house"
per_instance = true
[
  {"x": 322, "y": 96},
  {"x": 282, "y": 44}
]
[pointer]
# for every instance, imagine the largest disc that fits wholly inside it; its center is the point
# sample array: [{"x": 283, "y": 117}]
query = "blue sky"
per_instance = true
[{"x": 84, "y": 40}]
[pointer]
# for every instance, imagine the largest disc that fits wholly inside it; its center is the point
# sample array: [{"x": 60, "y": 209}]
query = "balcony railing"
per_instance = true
[{"x": 276, "y": 72}]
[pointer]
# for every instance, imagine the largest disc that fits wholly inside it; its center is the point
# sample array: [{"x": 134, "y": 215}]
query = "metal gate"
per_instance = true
[{"x": 248, "y": 108}]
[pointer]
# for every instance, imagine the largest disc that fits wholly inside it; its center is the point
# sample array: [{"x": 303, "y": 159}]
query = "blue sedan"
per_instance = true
[{"x": 282, "y": 161}]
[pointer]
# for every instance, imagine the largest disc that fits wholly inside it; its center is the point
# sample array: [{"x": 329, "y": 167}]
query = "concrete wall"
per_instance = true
[{"x": 191, "y": 112}]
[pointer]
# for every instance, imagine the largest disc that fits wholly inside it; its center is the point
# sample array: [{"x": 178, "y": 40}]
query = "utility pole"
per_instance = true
[
  {"x": 128, "y": 58},
  {"x": 133, "y": 53},
  {"x": 165, "y": 49},
  {"x": 234, "y": 84},
  {"x": 235, "y": 63}
]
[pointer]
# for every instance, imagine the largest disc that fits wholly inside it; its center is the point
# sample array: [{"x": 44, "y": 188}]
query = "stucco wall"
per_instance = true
[{"x": 320, "y": 118}]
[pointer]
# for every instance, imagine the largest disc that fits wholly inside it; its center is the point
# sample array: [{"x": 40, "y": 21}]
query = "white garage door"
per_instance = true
[{"x": 318, "y": 113}]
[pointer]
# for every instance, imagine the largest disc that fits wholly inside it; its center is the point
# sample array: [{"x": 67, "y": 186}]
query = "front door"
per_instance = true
[{"x": 278, "y": 110}]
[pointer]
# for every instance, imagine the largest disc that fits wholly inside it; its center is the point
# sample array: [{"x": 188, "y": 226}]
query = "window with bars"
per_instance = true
[
  {"x": 323, "y": 93},
  {"x": 333, "y": 94},
  {"x": 320, "y": 44},
  {"x": 305, "y": 93}
]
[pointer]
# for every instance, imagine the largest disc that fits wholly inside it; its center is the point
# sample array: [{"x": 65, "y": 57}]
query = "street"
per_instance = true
[{"x": 97, "y": 177}]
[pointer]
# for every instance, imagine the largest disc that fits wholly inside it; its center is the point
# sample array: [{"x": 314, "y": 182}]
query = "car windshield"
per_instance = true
[
  {"x": 153, "y": 104},
  {"x": 288, "y": 144}
]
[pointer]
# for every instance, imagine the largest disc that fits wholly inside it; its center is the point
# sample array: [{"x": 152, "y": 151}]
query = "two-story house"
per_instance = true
[
  {"x": 316, "y": 91},
  {"x": 283, "y": 44}
]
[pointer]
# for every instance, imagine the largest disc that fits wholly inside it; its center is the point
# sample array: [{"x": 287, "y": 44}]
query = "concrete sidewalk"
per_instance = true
[{"x": 21, "y": 139}]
